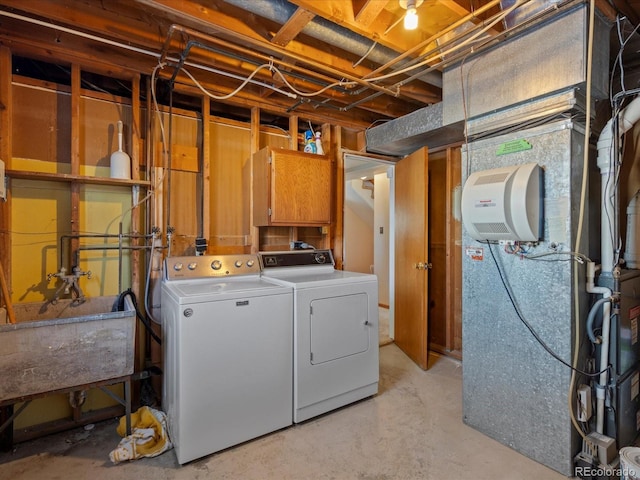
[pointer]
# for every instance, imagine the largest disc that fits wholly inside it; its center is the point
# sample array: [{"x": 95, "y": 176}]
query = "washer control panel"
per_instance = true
[
  {"x": 301, "y": 258},
  {"x": 206, "y": 266}
]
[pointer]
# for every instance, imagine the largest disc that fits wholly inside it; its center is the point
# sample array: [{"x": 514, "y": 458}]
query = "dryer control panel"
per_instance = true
[{"x": 300, "y": 258}]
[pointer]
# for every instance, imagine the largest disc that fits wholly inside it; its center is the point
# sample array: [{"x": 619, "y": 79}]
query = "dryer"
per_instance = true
[{"x": 335, "y": 330}]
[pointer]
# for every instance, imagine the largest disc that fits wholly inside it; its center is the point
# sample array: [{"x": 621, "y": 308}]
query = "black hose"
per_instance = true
[{"x": 119, "y": 306}]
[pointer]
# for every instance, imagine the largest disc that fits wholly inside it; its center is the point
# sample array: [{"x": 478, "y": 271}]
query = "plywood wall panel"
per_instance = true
[
  {"x": 184, "y": 212},
  {"x": 230, "y": 151},
  {"x": 230, "y": 181},
  {"x": 41, "y": 130},
  {"x": 99, "y": 133}
]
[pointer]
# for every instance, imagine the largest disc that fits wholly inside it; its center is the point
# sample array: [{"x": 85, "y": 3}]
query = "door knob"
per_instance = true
[{"x": 423, "y": 266}]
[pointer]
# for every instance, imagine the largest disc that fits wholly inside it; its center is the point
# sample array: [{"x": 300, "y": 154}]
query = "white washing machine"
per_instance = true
[
  {"x": 227, "y": 340},
  {"x": 335, "y": 325}
]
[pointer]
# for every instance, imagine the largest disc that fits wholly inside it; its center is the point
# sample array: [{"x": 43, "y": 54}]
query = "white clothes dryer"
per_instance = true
[
  {"x": 335, "y": 328},
  {"x": 227, "y": 341}
]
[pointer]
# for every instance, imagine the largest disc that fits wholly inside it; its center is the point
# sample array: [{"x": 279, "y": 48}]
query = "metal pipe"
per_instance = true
[
  {"x": 434, "y": 37},
  {"x": 283, "y": 53},
  {"x": 120, "y": 45},
  {"x": 119, "y": 257},
  {"x": 93, "y": 235},
  {"x": 113, "y": 247},
  {"x": 326, "y": 31},
  {"x": 168, "y": 193},
  {"x": 209, "y": 48}
]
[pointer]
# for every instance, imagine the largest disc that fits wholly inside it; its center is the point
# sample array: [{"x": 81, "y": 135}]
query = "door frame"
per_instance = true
[{"x": 381, "y": 162}]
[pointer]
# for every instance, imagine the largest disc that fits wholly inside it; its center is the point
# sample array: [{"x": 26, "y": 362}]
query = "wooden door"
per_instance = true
[{"x": 411, "y": 249}]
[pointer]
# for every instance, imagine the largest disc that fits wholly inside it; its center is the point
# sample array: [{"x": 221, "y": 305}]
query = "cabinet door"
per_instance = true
[{"x": 300, "y": 188}]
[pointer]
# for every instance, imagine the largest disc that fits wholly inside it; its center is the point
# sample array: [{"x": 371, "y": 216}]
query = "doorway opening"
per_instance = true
[
  {"x": 369, "y": 231},
  {"x": 445, "y": 253},
  {"x": 368, "y": 228}
]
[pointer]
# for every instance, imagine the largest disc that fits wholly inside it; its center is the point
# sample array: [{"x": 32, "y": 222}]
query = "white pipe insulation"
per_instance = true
[{"x": 607, "y": 165}]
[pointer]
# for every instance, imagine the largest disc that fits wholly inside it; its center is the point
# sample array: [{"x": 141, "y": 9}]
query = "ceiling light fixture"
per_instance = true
[{"x": 411, "y": 17}]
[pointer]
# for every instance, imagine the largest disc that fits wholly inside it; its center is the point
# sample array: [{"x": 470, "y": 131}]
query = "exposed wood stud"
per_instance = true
[
  {"x": 6, "y": 103},
  {"x": 292, "y": 27}
]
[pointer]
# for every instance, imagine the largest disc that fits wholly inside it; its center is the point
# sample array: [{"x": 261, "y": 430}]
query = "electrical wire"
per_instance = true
[
  {"x": 581, "y": 213},
  {"x": 344, "y": 83},
  {"x": 496, "y": 19},
  {"x": 579, "y": 257},
  {"x": 619, "y": 60},
  {"x": 280, "y": 75},
  {"x": 530, "y": 328}
]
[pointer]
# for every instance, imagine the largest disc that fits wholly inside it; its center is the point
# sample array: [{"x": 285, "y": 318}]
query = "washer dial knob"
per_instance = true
[
  {"x": 177, "y": 266},
  {"x": 216, "y": 264},
  {"x": 250, "y": 263},
  {"x": 320, "y": 258},
  {"x": 238, "y": 263}
]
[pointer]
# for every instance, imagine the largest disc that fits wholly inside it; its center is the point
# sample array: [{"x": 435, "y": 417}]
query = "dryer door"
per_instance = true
[{"x": 340, "y": 327}]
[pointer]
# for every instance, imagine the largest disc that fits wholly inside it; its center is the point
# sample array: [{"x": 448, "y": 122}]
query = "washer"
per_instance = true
[
  {"x": 227, "y": 353},
  {"x": 335, "y": 325}
]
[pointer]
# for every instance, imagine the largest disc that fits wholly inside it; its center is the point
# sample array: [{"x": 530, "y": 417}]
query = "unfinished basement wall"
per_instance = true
[{"x": 41, "y": 199}]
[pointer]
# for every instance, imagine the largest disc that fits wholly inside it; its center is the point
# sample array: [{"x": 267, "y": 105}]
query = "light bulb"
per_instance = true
[{"x": 411, "y": 19}]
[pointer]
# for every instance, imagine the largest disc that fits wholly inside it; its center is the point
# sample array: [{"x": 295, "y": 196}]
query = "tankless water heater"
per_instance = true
[{"x": 504, "y": 203}]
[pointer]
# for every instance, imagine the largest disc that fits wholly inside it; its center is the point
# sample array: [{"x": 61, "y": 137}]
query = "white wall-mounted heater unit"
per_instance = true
[{"x": 504, "y": 203}]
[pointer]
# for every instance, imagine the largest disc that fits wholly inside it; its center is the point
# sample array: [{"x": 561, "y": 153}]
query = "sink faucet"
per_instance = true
[{"x": 69, "y": 284}]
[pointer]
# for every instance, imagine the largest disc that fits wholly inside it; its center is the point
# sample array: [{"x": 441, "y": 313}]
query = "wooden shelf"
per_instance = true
[{"x": 65, "y": 177}]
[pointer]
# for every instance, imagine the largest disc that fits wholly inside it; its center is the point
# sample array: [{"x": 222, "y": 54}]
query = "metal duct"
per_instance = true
[
  {"x": 404, "y": 135},
  {"x": 495, "y": 95},
  {"x": 281, "y": 10}
]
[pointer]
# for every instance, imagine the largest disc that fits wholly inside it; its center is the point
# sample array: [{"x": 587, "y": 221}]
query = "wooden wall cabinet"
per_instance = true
[{"x": 291, "y": 188}]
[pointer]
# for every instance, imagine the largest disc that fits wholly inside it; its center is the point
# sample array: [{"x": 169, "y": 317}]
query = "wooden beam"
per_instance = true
[
  {"x": 6, "y": 114},
  {"x": 292, "y": 27},
  {"x": 293, "y": 132},
  {"x": 366, "y": 11},
  {"x": 137, "y": 260},
  {"x": 255, "y": 146},
  {"x": 336, "y": 239},
  {"x": 145, "y": 35},
  {"x": 74, "y": 219},
  {"x": 206, "y": 167}
]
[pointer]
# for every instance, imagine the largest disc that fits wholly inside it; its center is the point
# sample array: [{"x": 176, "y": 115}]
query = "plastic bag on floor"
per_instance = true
[{"x": 148, "y": 438}]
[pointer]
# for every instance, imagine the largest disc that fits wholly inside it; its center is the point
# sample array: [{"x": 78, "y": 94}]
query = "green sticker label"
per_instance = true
[{"x": 513, "y": 147}]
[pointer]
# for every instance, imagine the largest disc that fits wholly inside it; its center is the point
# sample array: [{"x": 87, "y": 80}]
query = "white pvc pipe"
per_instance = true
[
  {"x": 626, "y": 119},
  {"x": 604, "y": 350},
  {"x": 631, "y": 254}
]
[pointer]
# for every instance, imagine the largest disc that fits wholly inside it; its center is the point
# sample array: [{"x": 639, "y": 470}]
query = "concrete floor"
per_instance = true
[{"x": 411, "y": 430}]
